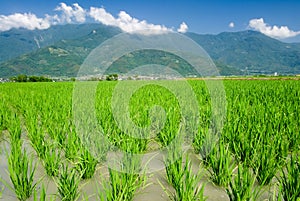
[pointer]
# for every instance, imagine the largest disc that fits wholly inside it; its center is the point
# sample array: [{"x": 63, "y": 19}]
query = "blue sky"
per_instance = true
[{"x": 278, "y": 19}]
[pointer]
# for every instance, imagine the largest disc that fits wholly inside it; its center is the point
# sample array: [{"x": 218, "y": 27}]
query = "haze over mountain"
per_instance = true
[{"x": 61, "y": 49}]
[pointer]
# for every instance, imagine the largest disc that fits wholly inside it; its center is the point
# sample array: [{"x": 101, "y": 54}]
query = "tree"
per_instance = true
[{"x": 112, "y": 77}]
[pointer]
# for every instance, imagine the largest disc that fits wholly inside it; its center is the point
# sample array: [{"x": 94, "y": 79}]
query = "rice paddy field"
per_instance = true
[{"x": 255, "y": 156}]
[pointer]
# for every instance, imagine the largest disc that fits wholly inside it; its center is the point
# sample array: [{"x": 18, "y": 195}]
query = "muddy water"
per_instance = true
[{"x": 89, "y": 188}]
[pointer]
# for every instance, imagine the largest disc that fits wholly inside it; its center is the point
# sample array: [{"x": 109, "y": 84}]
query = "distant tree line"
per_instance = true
[
  {"x": 25, "y": 78},
  {"x": 112, "y": 77}
]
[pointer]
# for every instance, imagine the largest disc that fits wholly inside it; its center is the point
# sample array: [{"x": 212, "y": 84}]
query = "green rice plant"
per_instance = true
[
  {"x": 262, "y": 123},
  {"x": 71, "y": 146},
  {"x": 42, "y": 196},
  {"x": 14, "y": 128},
  {"x": 200, "y": 138},
  {"x": 204, "y": 142},
  {"x": 174, "y": 163},
  {"x": 68, "y": 184},
  {"x": 175, "y": 173},
  {"x": 86, "y": 164},
  {"x": 128, "y": 175},
  {"x": 52, "y": 160},
  {"x": 289, "y": 180},
  {"x": 21, "y": 172},
  {"x": 267, "y": 159},
  {"x": 185, "y": 183},
  {"x": 57, "y": 131},
  {"x": 1, "y": 190},
  {"x": 242, "y": 144},
  {"x": 220, "y": 164},
  {"x": 241, "y": 188},
  {"x": 20, "y": 167},
  {"x": 36, "y": 136},
  {"x": 122, "y": 186}
]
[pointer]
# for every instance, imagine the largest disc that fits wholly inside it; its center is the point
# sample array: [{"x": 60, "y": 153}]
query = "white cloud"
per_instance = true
[
  {"x": 231, "y": 25},
  {"x": 183, "y": 28},
  {"x": 23, "y": 20},
  {"x": 99, "y": 14},
  {"x": 76, "y": 14},
  {"x": 272, "y": 31},
  {"x": 125, "y": 22},
  {"x": 71, "y": 14}
]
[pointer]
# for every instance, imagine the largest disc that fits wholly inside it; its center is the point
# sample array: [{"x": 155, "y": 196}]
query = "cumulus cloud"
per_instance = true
[
  {"x": 67, "y": 14},
  {"x": 125, "y": 22},
  {"x": 231, "y": 25},
  {"x": 183, "y": 28},
  {"x": 23, "y": 20},
  {"x": 272, "y": 31},
  {"x": 76, "y": 14},
  {"x": 70, "y": 14}
]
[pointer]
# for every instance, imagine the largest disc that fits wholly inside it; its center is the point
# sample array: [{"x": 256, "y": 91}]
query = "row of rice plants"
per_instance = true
[
  {"x": 259, "y": 140},
  {"x": 289, "y": 180},
  {"x": 36, "y": 109},
  {"x": 21, "y": 167},
  {"x": 127, "y": 175},
  {"x": 260, "y": 131}
]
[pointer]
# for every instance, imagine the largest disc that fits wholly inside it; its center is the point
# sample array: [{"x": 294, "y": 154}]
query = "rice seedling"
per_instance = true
[
  {"x": 122, "y": 186},
  {"x": 37, "y": 138},
  {"x": 86, "y": 164},
  {"x": 20, "y": 167},
  {"x": 14, "y": 129},
  {"x": 126, "y": 175},
  {"x": 202, "y": 139},
  {"x": 180, "y": 175},
  {"x": 52, "y": 160},
  {"x": 220, "y": 164},
  {"x": 71, "y": 147},
  {"x": 21, "y": 172},
  {"x": 261, "y": 129},
  {"x": 289, "y": 180},
  {"x": 42, "y": 196},
  {"x": 1, "y": 190},
  {"x": 242, "y": 186},
  {"x": 204, "y": 142},
  {"x": 267, "y": 159},
  {"x": 184, "y": 181},
  {"x": 68, "y": 184}
]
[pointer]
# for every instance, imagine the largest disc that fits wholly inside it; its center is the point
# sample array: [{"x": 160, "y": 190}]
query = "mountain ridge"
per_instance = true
[{"x": 234, "y": 53}]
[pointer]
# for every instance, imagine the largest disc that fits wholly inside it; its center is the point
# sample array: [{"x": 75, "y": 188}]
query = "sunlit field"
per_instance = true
[{"x": 254, "y": 157}]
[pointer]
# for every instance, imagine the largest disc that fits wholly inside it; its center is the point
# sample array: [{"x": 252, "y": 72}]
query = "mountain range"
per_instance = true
[{"x": 61, "y": 49}]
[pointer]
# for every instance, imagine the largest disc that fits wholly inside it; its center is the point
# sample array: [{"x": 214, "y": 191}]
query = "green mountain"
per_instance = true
[
  {"x": 62, "y": 58},
  {"x": 17, "y": 42},
  {"x": 251, "y": 52},
  {"x": 66, "y": 47}
]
